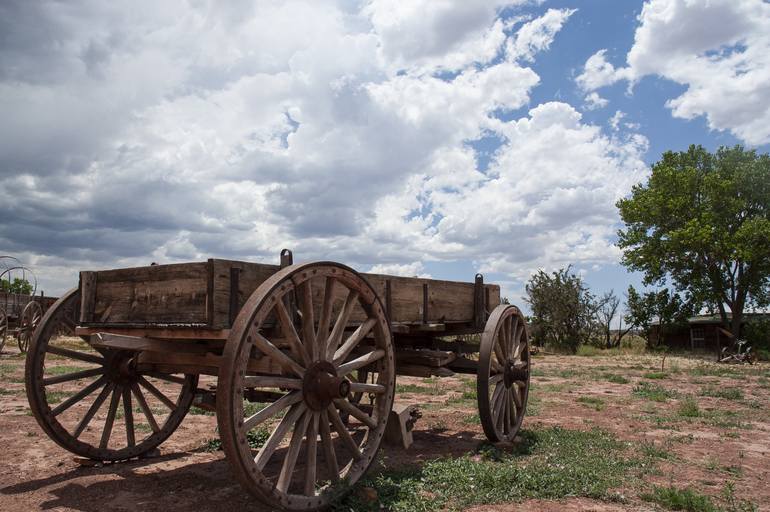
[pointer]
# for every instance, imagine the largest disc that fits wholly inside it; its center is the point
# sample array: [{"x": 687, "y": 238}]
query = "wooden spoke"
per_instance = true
[
  {"x": 156, "y": 393},
  {"x": 357, "y": 413},
  {"x": 343, "y": 433},
  {"x": 329, "y": 454},
  {"x": 361, "y": 387},
  {"x": 74, "y": 354},
  {"x": 353, "y": 340},
  {"x": 274, "y": 352},
  {"x": 77, "y": 397},
  {"x": 308, "y": 322},
  {"x": 494, "y": 379},
  {"x": 499, "y": 350},
  {"x": 326, "y": 313},
  {"x": 92, "y": 410},
  {"x": 166, "y": 377},
  {"x": 145, "y": 408},
  {"x": 290, "y": 458},
  {"x": 496, "y": 397},
  {"x": 73, "y": 376},
  {"x": 339, "y": 326},
  {"x": 519, "y": 344},
  {"x": 278, "y": 434},
  {"x": 107, "y": 432},
  {"x": 503, "y": 341},
  {"x": 495, "y": 367},
  {"x": 360, "y": 362},
  {"x": 287, "y": 327},
  {"x": 272, "y": 409},
  {"x": 268, "y": 381},
  {"x": 312, "y": 455},
  {"x": 517, "y": 395},
  {"x": 500, "y": 409},
  {"x": 128, "y": 416},
  {"x": 513, "y": 339}
]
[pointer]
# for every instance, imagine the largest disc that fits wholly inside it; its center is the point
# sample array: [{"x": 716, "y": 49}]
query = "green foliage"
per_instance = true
[
  {"x": 680, "y": 499},
  {"x": 688, "y": 408},
  {"x": 550, "y": 463},
  {"x": 563, "y": 310},
  {"x": 702, "y": 221},
  {"x": 662, "y": 306},
  {"x": 18, "y": 285},
  {"x": 656, "y": 375},
  {"x": 592, "y": 402},
  {"x": 726, "y": 393},
  {"x": 615, "y": 378},
  {"x": 653, "y": 392}
]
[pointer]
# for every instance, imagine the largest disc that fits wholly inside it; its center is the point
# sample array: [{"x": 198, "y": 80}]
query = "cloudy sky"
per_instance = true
[{"x": 428, "y": 137}]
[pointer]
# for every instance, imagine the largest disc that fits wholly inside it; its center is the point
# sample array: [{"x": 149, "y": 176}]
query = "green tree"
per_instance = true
[
  {"x": 19, "y": 285},
  {"x": 661, "y": 306},
  {"x": 702, "y": 222},
  {"x": 563, "y": 310}
]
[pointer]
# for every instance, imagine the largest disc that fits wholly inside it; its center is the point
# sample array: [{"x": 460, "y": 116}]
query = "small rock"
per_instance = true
[
  {"x": 368, "y": 494},
  {"x": 88, "y": 463}
]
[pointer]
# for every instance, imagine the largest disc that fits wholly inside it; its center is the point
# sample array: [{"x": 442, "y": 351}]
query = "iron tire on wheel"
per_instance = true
[
  {"x": 309, "y": 377},
  {"x": 502, "y": 383},
  {"x": 3, "y": 328},
  {"x": 111, "y": 373},
  {"x": 28, "y": 322}
]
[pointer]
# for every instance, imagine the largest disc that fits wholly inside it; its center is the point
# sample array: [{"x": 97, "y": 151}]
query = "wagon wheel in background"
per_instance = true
[
  {"x": 335, "y": 326},
  {"x": 28, "y": 322},
  {"x": 3, "y": 328},
  {"x": 97, "y": 403},
  {"x": 503, "y": 373}
]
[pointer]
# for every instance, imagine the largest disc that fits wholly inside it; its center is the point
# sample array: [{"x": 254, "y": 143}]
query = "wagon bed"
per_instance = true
[{"x": 317, "y": 346}]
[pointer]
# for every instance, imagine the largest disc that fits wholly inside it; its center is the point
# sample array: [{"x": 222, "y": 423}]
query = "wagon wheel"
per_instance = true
[
  {"x": 3, "y": 328},
  {"x": 30, "y": 318},
  {"x": 503, "y": 373},
  {"x": 68, "y": 383},
  {"x": 315, "y": 360}
]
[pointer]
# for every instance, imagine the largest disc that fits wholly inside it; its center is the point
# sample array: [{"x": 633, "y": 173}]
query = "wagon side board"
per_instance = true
[{"x": 209, "y": 295}]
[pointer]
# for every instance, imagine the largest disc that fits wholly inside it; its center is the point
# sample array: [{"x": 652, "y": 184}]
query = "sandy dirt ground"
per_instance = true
[{"x": 728, "y": 442}]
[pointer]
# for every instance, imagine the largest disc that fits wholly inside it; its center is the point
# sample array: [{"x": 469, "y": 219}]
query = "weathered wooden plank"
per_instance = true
[
  {"x": 165, "y": 333},
  {"x": 87, "y": 296},
  {"x": 151, "y": 295},
  {"x": 200, "y": 294},
  {"x": 432, "y": 358},
  {"x": 138, "y": 343}
]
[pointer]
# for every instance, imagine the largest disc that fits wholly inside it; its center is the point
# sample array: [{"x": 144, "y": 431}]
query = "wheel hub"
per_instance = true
[
  {"x": 512, "y": 373},
  {"x": 321, "y": 385},
  {"x": 121, "y": 368}
]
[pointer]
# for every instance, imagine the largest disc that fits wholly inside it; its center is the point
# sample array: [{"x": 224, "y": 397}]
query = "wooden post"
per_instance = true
[
  {"x": 479, "y": 308},
  {"x": 235, "y": 305},
  {"x": 87, "y": 296}
]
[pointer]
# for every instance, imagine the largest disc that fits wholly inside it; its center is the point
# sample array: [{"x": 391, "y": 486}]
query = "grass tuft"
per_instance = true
[
  {"x": 653, "y": 392},
  {"x": 550, "y": 463}
]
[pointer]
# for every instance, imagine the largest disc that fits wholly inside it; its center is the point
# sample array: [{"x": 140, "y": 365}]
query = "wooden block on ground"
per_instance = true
[{"x": 401, "y": 420}]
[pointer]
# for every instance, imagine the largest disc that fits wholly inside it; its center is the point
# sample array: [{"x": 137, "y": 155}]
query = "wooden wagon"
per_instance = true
[
  {"x": 20, "y": 315},
  {"x": 305, "y": 358}
]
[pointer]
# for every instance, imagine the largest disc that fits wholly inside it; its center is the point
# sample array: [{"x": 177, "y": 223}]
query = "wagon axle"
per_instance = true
[{"x": 321, "y": 386}]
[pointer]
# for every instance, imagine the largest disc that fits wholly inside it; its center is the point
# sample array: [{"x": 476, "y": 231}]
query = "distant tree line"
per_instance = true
[
  {"x": 699, "y": 232},
  {"x": 18, "y": 285}
]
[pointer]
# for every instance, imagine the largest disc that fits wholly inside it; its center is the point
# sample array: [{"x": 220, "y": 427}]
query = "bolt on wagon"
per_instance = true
[{"x": 305, "y": 358}]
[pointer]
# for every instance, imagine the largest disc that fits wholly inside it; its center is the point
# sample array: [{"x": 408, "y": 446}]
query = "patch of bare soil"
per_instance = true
[{"x": 724, "y": 438}]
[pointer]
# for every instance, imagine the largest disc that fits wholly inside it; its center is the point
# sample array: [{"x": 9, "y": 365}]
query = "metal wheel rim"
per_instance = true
[
  {"x": 62, "y": 315},
  {"x": 28, "y": 322},
  {"x": 233, "y": 425},
  {"x": 502, "y": 383},
  {"x": 3, "y": 328}
]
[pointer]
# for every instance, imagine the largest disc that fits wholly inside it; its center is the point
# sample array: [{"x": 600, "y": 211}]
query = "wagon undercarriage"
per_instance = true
[{"x": 305, "y": 357}]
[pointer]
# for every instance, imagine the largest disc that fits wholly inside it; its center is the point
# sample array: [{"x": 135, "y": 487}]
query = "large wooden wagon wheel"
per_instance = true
[
  {"x": 97, "y": 403},
  {"x": 503, "y": 373},
  {"x": 314, "y": 325},
  {"x": 28, "y": 322},
  {"x": 3, "y": 328}
]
